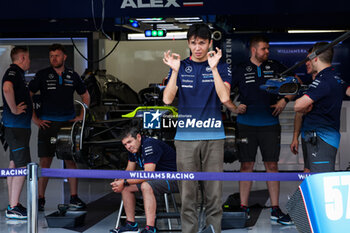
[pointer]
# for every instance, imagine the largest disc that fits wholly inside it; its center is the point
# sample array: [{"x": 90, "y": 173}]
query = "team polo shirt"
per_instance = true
[
  {"x": 15, "y": 75},
  {"x": 157, "y": 152},
  {"x": 198, "y": 103},
  {"x": 327, "y": 92},
  {"x": 249, "y": 77},
  {"x": 57, "y": 93}
]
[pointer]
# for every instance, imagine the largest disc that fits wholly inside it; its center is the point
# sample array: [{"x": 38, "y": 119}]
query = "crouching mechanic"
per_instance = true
[{"x": 151, "y": 155}]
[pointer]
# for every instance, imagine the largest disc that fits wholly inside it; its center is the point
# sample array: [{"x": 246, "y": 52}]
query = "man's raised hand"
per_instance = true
[
  {"x": 214, "y": 57},
  {"x": 172, "y": 60}
]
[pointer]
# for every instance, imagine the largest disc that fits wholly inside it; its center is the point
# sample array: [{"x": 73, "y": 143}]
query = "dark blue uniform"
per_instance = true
[
  {"x": 15, "y": 75},
  {"x": 157, "y": 152},
  {"x": 57, "y": 93},
  {"x": 320, "y": 129},
  {"x": 57, "y": 104},
  {"x": 327, "y": 92},
  {"x": 199, "y": 138},
  {"x": 199, "y": 105},
  {"x": 17, "y": 131},
  {"x": 249, "y": 77},
  {"x": 161, "y": 154},
  {"x": 257, "y": 124}
]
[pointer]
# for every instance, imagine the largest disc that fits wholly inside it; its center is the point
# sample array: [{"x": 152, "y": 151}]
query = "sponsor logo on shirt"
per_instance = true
[
  {"x": 268, "y": 71},
  {"x": 188, "y": 69},
  {"x": 186, "y": 86},
  {"x": 249, "y": 68},
  {"x": 186, "y": 81},
  {"x": 267, "y": 67},
  {"x": 207, "y": 75},
  {"x": 208, "y": 69},
  {"x": 148, "y": 150},
  {"x": 12, "y": 73},
  {"x": 207, "y": 80},
  {"x": 187, "y": 75},
  {"x": 315, "y": 83},
  {"x": 51, "y": 76}
]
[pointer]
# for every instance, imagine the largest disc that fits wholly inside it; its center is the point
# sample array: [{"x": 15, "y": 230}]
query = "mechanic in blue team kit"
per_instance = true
[
  {"x": 16, "y": 118},
  {"x": 321, "y": 105},
  {"x": 57, "y": 85},
  {"x": 258, "y": 120},
  {"x": 298, "y": 120},
  {"x": 202, "y": 83},
  {"x": 151, "y": 155}
]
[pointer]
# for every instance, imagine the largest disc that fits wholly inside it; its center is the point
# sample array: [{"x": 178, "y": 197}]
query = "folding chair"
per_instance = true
[{"x": 159, "y": 215}]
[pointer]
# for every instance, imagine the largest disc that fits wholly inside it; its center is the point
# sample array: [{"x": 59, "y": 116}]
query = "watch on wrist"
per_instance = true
[
  {"x": 126, "y": 183},
  {"x": 286, "y": 99}
]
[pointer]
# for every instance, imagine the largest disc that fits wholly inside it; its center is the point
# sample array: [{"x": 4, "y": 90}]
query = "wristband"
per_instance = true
[
  {"x": 286, "y": 99},
  {"x": 126, "y": 183}
]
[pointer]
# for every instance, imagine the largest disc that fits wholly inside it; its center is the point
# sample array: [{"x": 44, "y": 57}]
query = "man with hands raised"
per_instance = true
[{"x": 202, "y": 83}]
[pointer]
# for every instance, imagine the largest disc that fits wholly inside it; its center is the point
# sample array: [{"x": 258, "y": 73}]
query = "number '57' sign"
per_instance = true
[
  {"x": 337, "y": 200},
  {"x": 327, "y": 201}
]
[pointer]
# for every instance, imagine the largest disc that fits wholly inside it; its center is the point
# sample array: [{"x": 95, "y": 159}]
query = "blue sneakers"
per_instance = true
[
  {"x": 149, "y": 229},
  {"x": 285, "y": 220},
  {"x": 128, "y": 228},
  {"x": 276, "y": 213},
  {"x": 280, "y": 217}
]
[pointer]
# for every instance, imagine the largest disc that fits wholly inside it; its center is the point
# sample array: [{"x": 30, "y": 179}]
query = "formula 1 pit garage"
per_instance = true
[{"x": 103, "y": 100}]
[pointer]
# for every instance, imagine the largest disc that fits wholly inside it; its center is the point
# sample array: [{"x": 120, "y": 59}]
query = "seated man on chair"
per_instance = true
[{"x": 151, "y": 155}]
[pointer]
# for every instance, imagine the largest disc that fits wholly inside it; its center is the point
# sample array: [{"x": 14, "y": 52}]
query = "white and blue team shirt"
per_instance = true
[
  {"x": 327, "y": 92},
  {"x": 157, "y": 152},
  {"x": 57, "y": 93},
  {"x": 249, "y": 77},
  {"x": 198, "y": 103}
]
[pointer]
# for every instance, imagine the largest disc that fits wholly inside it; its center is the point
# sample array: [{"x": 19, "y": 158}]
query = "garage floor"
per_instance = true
[{"x": 92, "y": 190}]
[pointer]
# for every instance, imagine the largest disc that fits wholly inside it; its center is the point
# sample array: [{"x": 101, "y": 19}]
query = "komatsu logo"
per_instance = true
[{"x": 149, "y": 4}]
